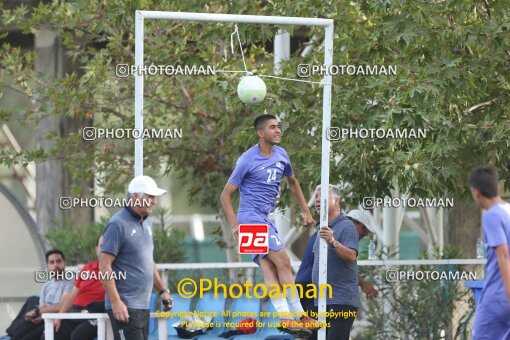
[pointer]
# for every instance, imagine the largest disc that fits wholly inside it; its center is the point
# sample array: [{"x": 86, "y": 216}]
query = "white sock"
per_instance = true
[
  {"x": 294, "y": 302},
  {"x": 281, "y": 306}
]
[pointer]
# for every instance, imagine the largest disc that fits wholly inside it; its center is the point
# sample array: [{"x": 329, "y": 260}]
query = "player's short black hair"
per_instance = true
[
  {"x": 485, "y": 179},
  {"x": 261, "y": 120},
  {"x": 54, "y": 251}
]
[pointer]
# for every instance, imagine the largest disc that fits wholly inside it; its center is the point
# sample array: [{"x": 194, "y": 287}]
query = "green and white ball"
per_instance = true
[{"x": 251, "y": 90}]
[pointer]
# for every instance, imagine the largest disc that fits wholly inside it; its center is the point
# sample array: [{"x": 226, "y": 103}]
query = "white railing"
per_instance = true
[
  {"x": 104, "y": 326},
  {"x": 224, "y": 265}
]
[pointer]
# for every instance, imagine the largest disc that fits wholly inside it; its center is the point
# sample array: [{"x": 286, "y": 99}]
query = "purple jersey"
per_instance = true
[
  {"x": 258, "y": 178},
  {"x": 492, "y": 317},
  {"x": 496, "y": 231}
]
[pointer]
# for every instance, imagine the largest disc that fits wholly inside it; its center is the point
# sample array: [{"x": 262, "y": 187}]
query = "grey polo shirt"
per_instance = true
[
  {"x": 342, "y": 276},
  {"x": 129, "y": 239}
]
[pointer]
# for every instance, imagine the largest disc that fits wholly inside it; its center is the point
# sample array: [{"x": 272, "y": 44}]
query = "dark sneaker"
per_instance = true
[{"x": 293, "y": 327}]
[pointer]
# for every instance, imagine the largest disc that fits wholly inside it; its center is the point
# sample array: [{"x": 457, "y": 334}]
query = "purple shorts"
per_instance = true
[
  {"x": 253, "y": 217},
  {"x": 492, "y": 319}
]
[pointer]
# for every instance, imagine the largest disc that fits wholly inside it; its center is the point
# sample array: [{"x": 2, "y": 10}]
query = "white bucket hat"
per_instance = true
[{"x": 363, "y": 217}]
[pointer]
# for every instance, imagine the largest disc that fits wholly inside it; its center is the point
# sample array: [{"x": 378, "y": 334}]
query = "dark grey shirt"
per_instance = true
[
  {"x": 342, "y": 276},
  {"x": 130, "y": 240}
]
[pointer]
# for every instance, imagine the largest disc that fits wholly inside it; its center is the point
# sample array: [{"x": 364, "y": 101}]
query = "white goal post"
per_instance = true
[{"x": 328, "y": 24}]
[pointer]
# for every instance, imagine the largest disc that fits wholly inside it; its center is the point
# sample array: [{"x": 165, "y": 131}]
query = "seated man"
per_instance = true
[
  {"x": 87, "y": 295},
  {"x": 52, "y": 294}
]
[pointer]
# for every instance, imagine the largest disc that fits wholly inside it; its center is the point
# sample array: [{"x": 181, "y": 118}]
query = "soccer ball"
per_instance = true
[{"x": 251, "y": 90}]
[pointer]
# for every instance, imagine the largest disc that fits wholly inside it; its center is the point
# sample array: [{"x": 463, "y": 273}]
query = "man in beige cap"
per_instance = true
[{"x": 363, "y": 222}]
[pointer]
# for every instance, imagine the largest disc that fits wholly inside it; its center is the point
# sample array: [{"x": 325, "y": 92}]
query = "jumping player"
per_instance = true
[{"x": 258, "y": 174}]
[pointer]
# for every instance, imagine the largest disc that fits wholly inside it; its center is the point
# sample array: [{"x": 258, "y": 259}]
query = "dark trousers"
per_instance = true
[
  {"x": 30, "y": 331},
  {"x": 19, "y": 323},
  {"x": 137, "y": 327},
  {"x": 77, "y": 330},
  {"x": 80, "y": 329},
  {"x": 340, "y": 327}
]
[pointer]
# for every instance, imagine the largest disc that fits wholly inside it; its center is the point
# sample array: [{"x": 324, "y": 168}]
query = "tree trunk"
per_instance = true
[
  {"x": 464, "y": 227},
  {"x": 49, "y": 174},
  {"x": 53, "y": 180}
]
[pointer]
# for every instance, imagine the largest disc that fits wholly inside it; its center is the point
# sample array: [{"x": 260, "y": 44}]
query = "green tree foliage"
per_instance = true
[
  {"x": 79, "y": 244},
  {"x": 452, "y": 78},
  {"x": 419, "y": 308}
]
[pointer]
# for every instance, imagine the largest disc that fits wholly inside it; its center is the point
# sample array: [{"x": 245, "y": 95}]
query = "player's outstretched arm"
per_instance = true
[
  {"x": 295, "y": 188},
  {"x": 226, "y": 204},
  {"x": 504, "y": 267}
]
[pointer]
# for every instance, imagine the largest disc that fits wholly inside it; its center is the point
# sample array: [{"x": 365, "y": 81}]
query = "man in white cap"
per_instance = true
[{"x": 127, "y": 258}]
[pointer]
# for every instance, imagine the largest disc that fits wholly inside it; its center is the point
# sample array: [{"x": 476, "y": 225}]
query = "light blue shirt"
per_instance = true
[{"x": 52, "y": 291}]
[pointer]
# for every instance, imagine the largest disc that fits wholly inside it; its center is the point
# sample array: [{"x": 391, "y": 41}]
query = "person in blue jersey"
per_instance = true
[
  {"x": 257, "y": 175},
  {"x": 492, "y": 314}
]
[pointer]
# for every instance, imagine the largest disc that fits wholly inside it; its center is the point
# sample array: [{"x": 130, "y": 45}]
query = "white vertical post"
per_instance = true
[
  {"x": 440, "y": 229},
  {"x": 109, "y": 329},
  {"x": 326, "y": 146},
  {"x": 281, "y": 49},
  {"x": 101, "y": 329},
  {"x": 390, "y": 233},
  {"x": 164, "y": 276},
  {"x": 139, "y": 23},
  {"x": 162, "y": 332},
  {"x": 48, "y": 329}
]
